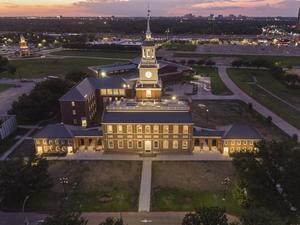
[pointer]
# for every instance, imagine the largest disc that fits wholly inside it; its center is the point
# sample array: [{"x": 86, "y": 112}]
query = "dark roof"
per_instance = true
[
  {"x": 87, "y": 133},
  {"x": 114, "y": 67},
  {"x": 54, "y": 131},
  {"x": 241, "y": 131},
  {"x": 208, "y": 133},
  {"x": 147, "y": 117},
  {"x": 113, "y": 81}
]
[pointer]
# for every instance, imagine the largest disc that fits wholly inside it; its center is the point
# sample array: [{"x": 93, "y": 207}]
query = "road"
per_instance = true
[
  {"x": 278, "y": 121},
  {"x": 9, "y": 96}
]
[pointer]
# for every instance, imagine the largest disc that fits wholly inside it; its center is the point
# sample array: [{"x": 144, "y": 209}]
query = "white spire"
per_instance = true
[{"x": 148, "y": 32}]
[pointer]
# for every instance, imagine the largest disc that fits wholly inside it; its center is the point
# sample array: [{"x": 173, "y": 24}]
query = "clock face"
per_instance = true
[{"x": 148, "y": 74}]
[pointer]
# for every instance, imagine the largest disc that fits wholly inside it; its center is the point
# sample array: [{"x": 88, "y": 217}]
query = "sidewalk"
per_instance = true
[{"x": 145, "y": 187}]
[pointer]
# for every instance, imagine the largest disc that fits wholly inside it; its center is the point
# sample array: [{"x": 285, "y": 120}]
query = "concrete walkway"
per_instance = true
[
  {"x": 145, "y": 187},
  {"x": 278, "y": 121}
]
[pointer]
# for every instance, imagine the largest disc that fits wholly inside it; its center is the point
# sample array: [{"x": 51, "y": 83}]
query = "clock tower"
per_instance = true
[{"x": 148, "y": 85}]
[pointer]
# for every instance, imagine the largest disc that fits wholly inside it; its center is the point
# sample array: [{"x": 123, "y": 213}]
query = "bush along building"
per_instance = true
[{"x": 118, "y": 111}]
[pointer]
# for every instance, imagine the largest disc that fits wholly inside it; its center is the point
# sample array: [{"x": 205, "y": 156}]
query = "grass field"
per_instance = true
[
  {"x": 38, "y": 68},
  {"x": 90, "y": 182},
  {"x": 227, "y": 112},
  {"x": 99, "y": 53},
  {"x": 4, "y": 87},
  {"x": 244, "y": 79},
  {"x": 217, "y": 85},
  {"x": 184, "y": 186},
  {"x": 181, "y": 47},
  {"x": 284, "y": 61}
]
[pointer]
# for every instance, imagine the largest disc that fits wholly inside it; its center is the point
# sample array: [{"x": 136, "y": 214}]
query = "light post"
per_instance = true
[
  {"x": 207, "y": 111},
  {"x": 226, "y": 182},
  {"x": 64, "y": 181},
  {"x": 26, "y": 222}
]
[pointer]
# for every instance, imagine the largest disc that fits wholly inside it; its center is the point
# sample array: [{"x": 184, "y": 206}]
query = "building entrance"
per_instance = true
[{"x": 148, "y": 146}]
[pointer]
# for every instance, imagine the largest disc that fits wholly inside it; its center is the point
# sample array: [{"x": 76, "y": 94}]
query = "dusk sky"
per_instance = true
[{"x": 138, "y": 7}]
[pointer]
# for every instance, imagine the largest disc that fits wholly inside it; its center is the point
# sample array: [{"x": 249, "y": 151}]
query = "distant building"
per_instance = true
[
  {"x": 23, "y": 47},
  {"x": 8, "y": 125}
]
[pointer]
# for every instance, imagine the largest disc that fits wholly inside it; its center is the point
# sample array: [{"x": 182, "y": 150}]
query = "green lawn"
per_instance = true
[
  {"x": 4, "y": 87},
  {"x": 90, "y": 182},
  {"x": 38, "y": 68},
  {"x": 99, "y": 53},
  {"x": 284, "y": 61},
  {"x": 180, "y": 47},
  {"x": 217, "y": 85},
  {"x": 167, "y": 199},
  {"x": 243, "y": 79}
]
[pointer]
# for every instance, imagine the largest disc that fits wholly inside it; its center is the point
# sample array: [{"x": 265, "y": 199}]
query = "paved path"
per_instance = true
[
  {"x": 145, "y": 187},
  {"x": 278, "y": 121},
  {"x": 195, "y": 156},
  {"x": 9, "y": 96},
  {"x": 18, "y": 143}
]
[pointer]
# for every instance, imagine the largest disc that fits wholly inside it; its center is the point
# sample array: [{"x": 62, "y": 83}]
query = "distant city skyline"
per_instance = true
[{"x": 158, "y": 7}]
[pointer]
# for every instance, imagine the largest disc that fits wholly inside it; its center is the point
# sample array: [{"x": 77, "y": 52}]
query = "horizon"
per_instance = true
[{"x": 138, "y": 8}]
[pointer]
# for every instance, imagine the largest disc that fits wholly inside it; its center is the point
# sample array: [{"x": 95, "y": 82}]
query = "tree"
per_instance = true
[
  {"x": 271, "y": 175},
  {"x": 3, "y": 62},
  {"x": 65, "y": 217},
  {"x": 20, "y": 178},
  {"x": 112, "y": 221},
  {"x": 237, "y": 63},
  {"x": 191, "y": 219},
  {"x": 260, "y": 63},
  {"x": 75, "y": 76},
  {"x": 41, "y": 103},
  {"x": 212, "y": 216}
]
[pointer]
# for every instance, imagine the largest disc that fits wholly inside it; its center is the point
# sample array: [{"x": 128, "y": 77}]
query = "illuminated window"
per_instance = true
[
  {"x": 175, "y": 144},
  {"x": 122, "y": 92},
  {"x": 115, "y": 91},
  {"x": 251, "y": 142},
  {"x": 147, "y": 129},
  {"x": 109, "y": 91},
  {"x": 129, "y": 128},
  {"x": 139, "y": 144},
  {"x": 120, "y": 144},
  {"x": 184, "y": 144},
  {"x": 225, "y": 142},
  {"x": 139, "y": 129},
  {"x": 239, "y": 142},
  {"x": 156, "y": 129},
  {"x": 103, "y": 92},
  {"x": 74, "y": 112},
  {"x": 165, "y": 144},
  {"x": 130, "y": 144},
  {"x": 120, "y": 129},
  {"x": 73, "y": 103},
  {"x": 185, "y": 129},
  {"x": 75, "y": 121},
  {"x": 109, "y": 129},
  {"x": 148, "y": 93},
  {"x": 232, "y": 142},
  {"x": 110, "y": 144},
  {"x": 166, "y": 129},
  {"x": 175, "y": 129},
  {"x": 245, "y": 142}
]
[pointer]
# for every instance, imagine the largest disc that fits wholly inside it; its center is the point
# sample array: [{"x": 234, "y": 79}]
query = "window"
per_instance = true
[
  {"x": 175, "y": 129},
  {"x": 166, "y": 129},
  {"x": 139, "y": 129},
  {"x": 120, "y": 144},
  {"x": 83, "y": 122},
  {"x": 225, "y": 142},
  {"x": 175, "y": 144},
  {"x": 45, "y": 141},
  {"x": 185, "y": 129},
  {"x": 130, "y": 144},
  {"x": 214, "y": 142},
  {"x": 115, "y": 91},
  {"x": 73, "y": 104},
  {"x": 75, "y": 121},
  {"x": 147, "y": 129},
  {"x": 156, "y": 129},
  {"x": 245, "y": 142},
  {"x": 251, "y": 142},
  {"x": 139, "y": 144},
  {"x": 232, "y": 142},
  {"x": 165, "y": 144},
  {"x": 103, "y": 92},
  {"x": 129, "y": 128},
  {"x": 109, "y": 129},
  {"x": 184, "y": 144},
  {"x": 122, "y": 92},
  {"x": 239, "y": 142},
  {"x": 109, "y": 91},
  {"x": 120, "y": 129},
  {"x": 148, "y": 93},
  {"x": 74, "y": 112},
  {"x": 155, "y": 144},
  {"x": 110, "y": 144}
]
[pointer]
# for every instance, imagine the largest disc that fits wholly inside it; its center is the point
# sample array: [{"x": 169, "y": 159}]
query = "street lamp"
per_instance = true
[
  {"x": 64, "y": 181},
  {"x": 26, "y": 222},
  {"x": 207, "y": 111},
  {"x": 226, "y": 182}
]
